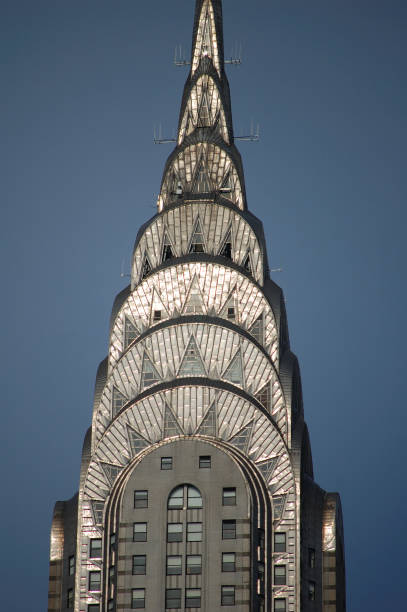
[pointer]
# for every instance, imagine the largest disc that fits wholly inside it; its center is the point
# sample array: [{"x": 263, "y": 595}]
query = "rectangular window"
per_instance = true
[
  {"x": 110, "y": 605},
  {"x": 138, "y": 598},
  {"x": 166, "y": 463},
  {"x": 193, "y": 598},
  {"x": 139, "y": 565},
  {"x": 112, "y": 572},
  {"x": 141, "y": 499},
  {"x": 95, "y": 548},
  {"x": 194, "y": 532},
  {"x": 94, "y": 581},
  {"x": 194, "y": 564},
  {"x": 311, "y": 558},
  {"x": 280, "y": 605},
  {"x": 280, "y": 542},
  {"x": 228, "y": 562},
  {"x": 231, "y": 313},
  {"x": 205, "y": 461},
  {"x": 194, "y": 498},
  {"x": 157, "y": 315},
  {"x": 229, "y": 496},
  {"x": 174, "y": 565},
  {"x": 229, "y": 530},
  {"x": 173, "y": 599},
  {"x": 140, "y": 532},
  {"x": 93, "y": 608},
  {"x": 112, "y": 542},
  {"x": 71, "y": 565},
  {"x": 69, "y": 598},
  {"x": 280, "y": 574},
  {"x": 174, "y": 532},
  {"x": 311, "y": 591},
  {"x": 228, "y": 596}
]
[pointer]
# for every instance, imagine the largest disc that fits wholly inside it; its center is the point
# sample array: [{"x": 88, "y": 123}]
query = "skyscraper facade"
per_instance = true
[{"x": 196, "y": 487}]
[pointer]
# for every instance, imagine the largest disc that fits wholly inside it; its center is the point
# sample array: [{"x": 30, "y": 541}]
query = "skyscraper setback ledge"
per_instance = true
[{"x": 196, "y": 486}]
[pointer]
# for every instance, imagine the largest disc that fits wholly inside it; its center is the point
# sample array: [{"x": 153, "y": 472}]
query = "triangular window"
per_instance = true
[
  {"x": 194, "y": 303},
  {"x": 256, "y": 329},
  {"x": 118, "y": 401},
  {"x": 197, "y": 244},
  {"x": 171, "y": 426},
  {"x": 110, "y": 471},
  {"x": 241, "y": 439},
  {"x": 167, "y": 251},
  {"x": 226, "y": 250},
  {"x": 208, "y": 423},
  {"x": 192, "y": 364},
  {"x": 206, "y": 36},
  {"x": 229, "y": 310},
  {"x": 234, "y": 371},
  {"x": 226, "y": 185},
  {"x": 204, "y": 114},
  {"x": 264, "y": 396},
  {"x": 136, "y": 441},
  {"x": 146, "y": 268},
  {"x": 130, "y": 332},
  {"x": 247, "y": 264},
  {"x": 201, "y": 182},
  {"x": 149, "y": 375},
  {"x": 267, "y": 468}
]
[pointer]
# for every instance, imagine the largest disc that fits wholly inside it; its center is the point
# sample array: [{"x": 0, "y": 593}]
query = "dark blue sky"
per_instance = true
[{"x": 83, "y": 82}]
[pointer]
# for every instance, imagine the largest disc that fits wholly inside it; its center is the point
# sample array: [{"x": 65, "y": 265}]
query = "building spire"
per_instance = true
[{"x": 205, "y": 144}]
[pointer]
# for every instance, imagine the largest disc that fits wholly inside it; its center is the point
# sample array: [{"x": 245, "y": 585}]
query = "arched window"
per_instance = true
[{"x": 184, "y": 496}]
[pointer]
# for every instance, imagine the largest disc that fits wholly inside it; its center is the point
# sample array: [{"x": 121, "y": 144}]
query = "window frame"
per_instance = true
[
  {"x": 311, "y": 590},
  {"x": 205, "y": 462},
  {"x": 228, "y": 599},
  {"x": 71, "y": 565},
  {"x": 175, "y": 533},
  {"x": 144, "y": 532},
  {"x": 283, "y": 601},
  {"x": 134, "y": 565},
  {"x": 192, "y": 531},
  {"x": 228, "y": 565},
  {"x": 92, "y": 554},
  {"x": 229, "y": 529},
  {"x": 280, "y": 546},
  {"x": 175, "y": 599},
  {"x": 280, "y": 579},
  {"x": 69, "y": 599},
  {"x": 142, "y": 501},
  {"x": 141, "y": 599},
  {"x": 311, "y": 558},
  {"x": 177, "y": 567},
  {"x": 190, "y": 567},
  {"x": 166, "y": 463},
  {"x": 226, "y": 499},
  {"x": 98, "y": 582},
  {"x": 193, "y": 601}
]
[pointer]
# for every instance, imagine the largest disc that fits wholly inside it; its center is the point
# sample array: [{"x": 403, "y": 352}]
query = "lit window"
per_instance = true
[
  {"x": 174, "y": 565},
  {"x": 311, "y": 591},
  {"x": 176, "y": 499},
  {"x": 280, "y": 605},
  {"x": 194, "y": 564},
  {"x": 280, "y": 574},
  {"x": 193, "y": 598},
  {"x": 157, "y": 315},
  {"x": 194, "y": 498},
  {"x": 139, "y": 565},
  {"x": 95, "y": 548},
  {"x": 140, "y": 532},
  {"x": 166, "y": 463},
  {"x": 194, "y": 532},
  {"x": 94, "y": 581},
  {"x": 71, "y": 565},
  {"x": 228, "y": 530},
  {"x": 204, "y": 461},
  {"x": 311, "y": 557},
  {"x": 69, "y": 598},
  {"x": 138, "y": 598},
  {"x": 228, "y": 562},
  {"x": 174, "y": 532},
  {"x": 173, "y": 599},
  {"x": 280, "y": 542},
  {"x": 141, "y": 499},
  {"x": 228, "y": 596},
  {"x": 229, "y": 496}
]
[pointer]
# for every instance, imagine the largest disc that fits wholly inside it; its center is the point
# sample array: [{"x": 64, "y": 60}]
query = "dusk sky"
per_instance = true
[{"x": 83, "y": 83}]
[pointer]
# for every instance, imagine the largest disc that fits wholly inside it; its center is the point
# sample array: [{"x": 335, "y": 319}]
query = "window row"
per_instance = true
[
  {"x": 204, "y": 462},
  {"x": 173, "y": 598},
  {"x": 193, "y": 531}
]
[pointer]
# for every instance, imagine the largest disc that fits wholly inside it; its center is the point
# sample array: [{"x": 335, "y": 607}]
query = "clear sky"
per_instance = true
[{"x": 83, "y": 82}]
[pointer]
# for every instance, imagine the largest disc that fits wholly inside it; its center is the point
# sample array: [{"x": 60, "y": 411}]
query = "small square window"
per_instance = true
[
  {"x": 229, "y": 496},
  {"x": 166, "y": 463},
  {"x": 280, "y": 574},
  {"x": 94, "y": 581},
  {"x": 174, "y": 565},
  {"x": 140, "y": 532},
  {"x": 311, "y": 558},
  {"x": 193, "y": 598},
  {"x": 172, "y": 599},
  {"x": 280, "y": 605},
  {"x": 69, "y": 598},
  {"x": 231, "y": 313},
  {"x": 139, "y": 565},
  {"x": 95, "y": 548},
  {"x": 311, "y": 591},
  {"x": 228, "y": 562},
  {"x": 205, "y": 461},
  {"x": 174, "y": 532},
  {"x": 194, "y": 532},
  {"x": 138, "y": 598},
  {"x": 157, "y": 315},
  {"x": 228, "y": 596},
  {"x": 71, "y": 565},
  {"x": 229, "y": 530},
  {"x": 141, "y": 499},
  {"x": 280, "y": 542},
  {"x": 194, "y": 564}
]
